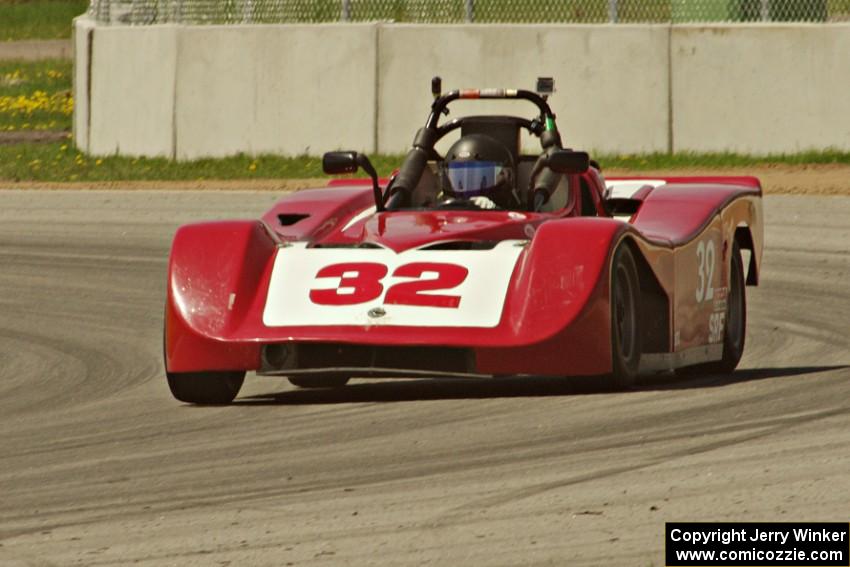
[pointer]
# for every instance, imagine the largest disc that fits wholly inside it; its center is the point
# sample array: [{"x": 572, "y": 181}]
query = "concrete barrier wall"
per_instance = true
[
  {"x": 133, "y": 78},
  {"x": 276, "y": 89},
  {"x": 761, "y": 89},
  {"x": 191, "y": 92},
  {"x": 611, "y": 80}
]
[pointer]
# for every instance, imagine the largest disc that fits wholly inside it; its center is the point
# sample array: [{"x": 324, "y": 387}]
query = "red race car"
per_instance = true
[{"x": 479, "y": 262}]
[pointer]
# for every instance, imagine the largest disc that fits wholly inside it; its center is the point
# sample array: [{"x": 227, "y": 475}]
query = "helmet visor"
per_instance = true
[{"x": 471, "y": 178}]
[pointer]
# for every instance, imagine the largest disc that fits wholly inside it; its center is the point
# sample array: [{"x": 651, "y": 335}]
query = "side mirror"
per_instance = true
[
  {"x": 336, "y": 163},
  {"x": 542, "y": 183},
  {"x": 568, "y": 161}
]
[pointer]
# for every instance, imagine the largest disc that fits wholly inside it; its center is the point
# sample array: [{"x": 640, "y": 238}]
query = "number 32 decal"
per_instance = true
[
  {"x": 360, "y": 282},
  {"x": 705, "y": 263}
]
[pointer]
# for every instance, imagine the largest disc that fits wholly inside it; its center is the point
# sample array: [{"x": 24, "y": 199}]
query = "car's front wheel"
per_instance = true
[
  {"x": 319, "y": 381},
  {"x": 205, "y": 388}
]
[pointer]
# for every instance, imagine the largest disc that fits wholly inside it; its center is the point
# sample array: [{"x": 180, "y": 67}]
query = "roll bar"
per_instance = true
[
  {"x": 423, "y": 144},
  {"x": 442, "y": 101}
]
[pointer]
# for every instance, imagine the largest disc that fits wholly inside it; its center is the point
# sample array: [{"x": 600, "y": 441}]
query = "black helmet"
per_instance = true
[{"x": 478, "y": 165}]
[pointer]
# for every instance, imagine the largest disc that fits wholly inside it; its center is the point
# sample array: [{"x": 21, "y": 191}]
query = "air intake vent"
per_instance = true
[
  {"x": 463, "y": 245},
  {"x": 422, "y": 358},
  {"x": 441, "y": 359},
  {"x": 346, "y": 245},
  {"x": 288, "y": 219}
]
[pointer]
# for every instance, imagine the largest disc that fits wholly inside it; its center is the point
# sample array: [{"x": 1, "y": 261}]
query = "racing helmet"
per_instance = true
[{"x": 478, "y": 165}]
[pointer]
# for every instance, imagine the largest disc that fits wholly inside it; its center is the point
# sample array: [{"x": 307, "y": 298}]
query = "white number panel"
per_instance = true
[{"x": 356, "y": 286}]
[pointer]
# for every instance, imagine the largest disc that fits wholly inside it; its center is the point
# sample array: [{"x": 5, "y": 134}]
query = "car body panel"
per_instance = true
[{"x": 533, "y": 299}]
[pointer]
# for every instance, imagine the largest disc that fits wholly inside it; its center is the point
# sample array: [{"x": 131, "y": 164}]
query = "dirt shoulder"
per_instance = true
[
  {"x": 776, "y": 179},
  {"x": 32, "y": 136},
  {"x": 35, "y": 49},
  {"x": 184, "y": 185},
  {"x": 829, "y": 179}
]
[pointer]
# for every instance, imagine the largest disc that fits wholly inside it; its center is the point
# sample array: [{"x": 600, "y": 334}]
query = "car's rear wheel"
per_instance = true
[
  {"x": 736, "y": 318},
  {"x": 205, "y": 388},
  {"x": 319, "y": 381},
  {"x": 626, "y": 344}
]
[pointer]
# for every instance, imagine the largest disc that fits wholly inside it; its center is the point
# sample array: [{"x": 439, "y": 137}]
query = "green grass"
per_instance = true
[
  {"x": 61, "y": 162},
  {"x": 21, "y": 78},
  {"x": 35, "y": 96},
  {"x": 38, "y": 19}
]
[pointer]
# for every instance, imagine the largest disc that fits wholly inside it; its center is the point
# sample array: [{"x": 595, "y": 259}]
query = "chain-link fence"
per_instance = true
[{"x": 463, "y": 11}]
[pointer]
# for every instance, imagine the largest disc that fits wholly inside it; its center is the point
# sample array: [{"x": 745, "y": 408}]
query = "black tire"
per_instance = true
[
  {"x": 205, "y": 388},
  {"x": 736, "y": 318},
  {"x": 319, "y": 381},
  {"x": 626, "y": 338}
]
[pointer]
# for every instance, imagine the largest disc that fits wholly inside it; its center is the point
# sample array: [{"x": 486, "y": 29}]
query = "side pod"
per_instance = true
[
  {"x": 561, "y": 298},
  {"x": 214, "y": 274}
]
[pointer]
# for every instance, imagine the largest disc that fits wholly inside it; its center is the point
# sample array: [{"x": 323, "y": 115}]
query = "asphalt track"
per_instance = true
[{"x": 100, "y": 466}]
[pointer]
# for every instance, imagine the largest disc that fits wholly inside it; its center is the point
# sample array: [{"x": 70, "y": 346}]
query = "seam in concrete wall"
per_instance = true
[
  {"x": 178, "y": 50},
  {"x": 89, "y": 55},
  {"x": 81, "y": 41},
  {"x": 670, "y": 117},
  {"x": 377, "y": 71}
]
